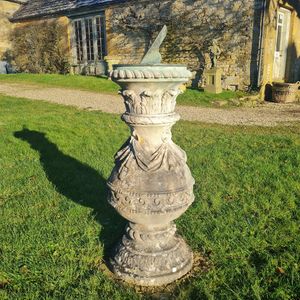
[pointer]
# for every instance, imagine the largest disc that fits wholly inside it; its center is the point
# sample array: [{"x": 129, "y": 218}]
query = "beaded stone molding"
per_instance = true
[{"x": 156, "y": 72}]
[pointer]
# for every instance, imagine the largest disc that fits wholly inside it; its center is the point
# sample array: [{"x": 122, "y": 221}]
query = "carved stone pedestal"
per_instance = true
[{"x": 151, "y": 185}]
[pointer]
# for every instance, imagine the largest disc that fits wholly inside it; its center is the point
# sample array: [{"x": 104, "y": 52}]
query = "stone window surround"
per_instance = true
[{"x": 98, "y": 59}]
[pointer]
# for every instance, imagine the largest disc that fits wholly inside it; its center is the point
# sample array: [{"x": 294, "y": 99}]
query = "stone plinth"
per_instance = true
[
  {"x": 213, "y": 78},
  {"x": 151, "y": 185}
]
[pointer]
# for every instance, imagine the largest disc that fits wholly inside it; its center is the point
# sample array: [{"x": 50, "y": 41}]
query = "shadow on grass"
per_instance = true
[{"x": 79, "y": 183}]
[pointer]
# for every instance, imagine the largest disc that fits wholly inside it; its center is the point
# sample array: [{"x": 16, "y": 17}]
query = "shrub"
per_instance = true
[{"x": 41, "y": 48}]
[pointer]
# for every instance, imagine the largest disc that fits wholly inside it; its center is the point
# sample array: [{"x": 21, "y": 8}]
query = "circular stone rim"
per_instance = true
[
  {"x": 128, "y": 73},
  {"x": 150, "y": 120}
]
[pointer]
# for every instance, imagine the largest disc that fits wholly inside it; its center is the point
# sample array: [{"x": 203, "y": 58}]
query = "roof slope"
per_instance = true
[
  {"x": 38, "y": 8},
  {"x": 17, "y": 1}
]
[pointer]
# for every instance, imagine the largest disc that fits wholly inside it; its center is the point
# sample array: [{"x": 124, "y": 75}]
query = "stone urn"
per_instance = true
[{"x": 151, "y": 184}]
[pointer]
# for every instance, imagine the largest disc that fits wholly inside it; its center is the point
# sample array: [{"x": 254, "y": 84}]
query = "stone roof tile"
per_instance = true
[{"x": 39, "y": 8}]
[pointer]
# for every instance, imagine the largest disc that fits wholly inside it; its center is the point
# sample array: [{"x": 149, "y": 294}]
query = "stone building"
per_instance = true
[
  {"x": 7, "y": 9},
  {"x": 259, "y": 39}
]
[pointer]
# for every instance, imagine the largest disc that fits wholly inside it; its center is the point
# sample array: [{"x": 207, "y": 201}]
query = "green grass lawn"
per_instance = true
[
  {"x": 56, "y": 226},
  {"x": 192, "y": 97},
  {"x": 86, "y": 83},
  {"x": 102, "y": 85}
]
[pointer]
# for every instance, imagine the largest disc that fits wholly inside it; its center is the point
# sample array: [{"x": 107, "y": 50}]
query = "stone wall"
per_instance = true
[
  {"x": 192, "y": 25},
  {"x": 6, "y": 10}
]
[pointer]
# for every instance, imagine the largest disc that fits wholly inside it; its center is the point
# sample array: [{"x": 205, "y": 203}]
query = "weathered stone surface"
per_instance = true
[{"x": 151, "y": 185}]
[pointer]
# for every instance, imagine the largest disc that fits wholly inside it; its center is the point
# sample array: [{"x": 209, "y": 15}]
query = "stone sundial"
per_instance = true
[{"x": 151, "y": 184}]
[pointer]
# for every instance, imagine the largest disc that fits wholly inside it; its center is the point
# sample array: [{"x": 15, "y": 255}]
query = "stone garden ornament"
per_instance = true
[
  {"x": 214, "y": 51},
  {"x": 151, "y": 184}
]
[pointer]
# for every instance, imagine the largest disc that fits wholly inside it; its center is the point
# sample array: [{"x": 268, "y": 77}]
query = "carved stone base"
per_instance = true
[{"x": 151, "y": 256}]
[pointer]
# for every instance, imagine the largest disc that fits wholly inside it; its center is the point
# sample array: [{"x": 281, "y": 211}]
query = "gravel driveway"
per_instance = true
[{"x": 269, "y": 114}]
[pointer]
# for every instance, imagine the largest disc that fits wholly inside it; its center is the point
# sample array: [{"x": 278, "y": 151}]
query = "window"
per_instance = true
[
  {"x": 100, "y": 27},
  {"x": 78, "y": 37},
  {"x": 279, "y": 31},
  {"x": 89, "y": 39}
]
